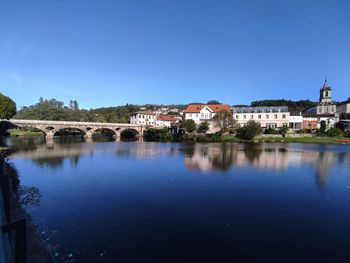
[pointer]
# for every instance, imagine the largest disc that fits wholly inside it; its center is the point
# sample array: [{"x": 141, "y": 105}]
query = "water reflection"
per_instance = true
[
  {"x": 200, "y": 157},
  {"x": 159, "y": 199}
]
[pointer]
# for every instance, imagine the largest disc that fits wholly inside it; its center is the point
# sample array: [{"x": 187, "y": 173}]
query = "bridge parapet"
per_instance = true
[{"x": 49, "y": 128}]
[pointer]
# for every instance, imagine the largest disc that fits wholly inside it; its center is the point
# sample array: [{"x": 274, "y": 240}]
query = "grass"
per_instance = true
[
  {"x": 23, "y": 132},
  {"x": 315, "y": 139}
]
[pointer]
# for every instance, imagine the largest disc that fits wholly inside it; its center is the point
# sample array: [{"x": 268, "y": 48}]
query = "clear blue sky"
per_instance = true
[{"x": 107, "y": 53}]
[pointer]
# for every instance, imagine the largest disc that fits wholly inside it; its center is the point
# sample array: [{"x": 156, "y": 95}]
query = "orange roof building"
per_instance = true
[{"x": 203, "y": 112}]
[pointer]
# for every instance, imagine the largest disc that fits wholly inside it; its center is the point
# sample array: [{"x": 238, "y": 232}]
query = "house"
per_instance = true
[
  {"x": 344, "y": 110},
  {"x": 296, "y": 122},
  {"x": 313, "y": 121},
  {"x": 167, "y": 121},
  {"x": 143, "y": 117},
  {"x": 203, "y": 112},
  {"x": 325, "y": 110},
  {"x": 325, "y": 105},
  {"x": 268, "y": 117}
]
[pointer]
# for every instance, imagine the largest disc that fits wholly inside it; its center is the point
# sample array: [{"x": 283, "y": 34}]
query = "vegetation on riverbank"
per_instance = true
[
  {"x": 24, "y": 133},
  {"x": 163, "y": 135}
]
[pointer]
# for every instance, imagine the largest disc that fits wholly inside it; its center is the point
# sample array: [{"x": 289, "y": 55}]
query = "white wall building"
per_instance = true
[
  {"x": 201, "y": 112},
  {"x": 167, "y": 121},
  {"x": 143, "y": 117},
  {"x": 296, "y": 122},
  {"x": 268, "y": 117}
]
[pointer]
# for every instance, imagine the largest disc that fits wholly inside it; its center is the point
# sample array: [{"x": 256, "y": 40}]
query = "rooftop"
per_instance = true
[
  {"x": 260, "y": 109},
  {"x": 195, "y": 108}
]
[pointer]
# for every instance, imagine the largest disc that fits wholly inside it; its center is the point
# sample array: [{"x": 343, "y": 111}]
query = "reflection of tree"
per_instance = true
[
  {"x": 224, "y": 159},
  {"x": 323, "y": 165},
  {"x": 25, "y": 143},
  {"x": 52, "y": 162},
  {"x": 27, "y": 195},
  {"x": 252, "y": 152}
]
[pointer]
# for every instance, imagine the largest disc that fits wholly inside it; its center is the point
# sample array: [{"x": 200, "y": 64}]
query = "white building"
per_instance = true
[
  {"x": 143, "y": 117},
  {"x": 296, "y": 122},
  {"x": 268, "y": 117},
  {"x": 201, "y": 112},
  {"x": 343, "y": 108},
  {"x": 325, "y": 110},
  {"x": 167, "y": 121},
  {"x": 325, "y": 105}
]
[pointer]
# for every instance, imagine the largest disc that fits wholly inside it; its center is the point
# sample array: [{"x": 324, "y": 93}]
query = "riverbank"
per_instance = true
[
  {"x": 24, "y": 133},
  {"x": 36, "y": 249},
  {"x": 162, "y": 136}
]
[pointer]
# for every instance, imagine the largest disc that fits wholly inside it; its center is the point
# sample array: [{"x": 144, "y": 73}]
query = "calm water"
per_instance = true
[{"x": 157, "y": 202}]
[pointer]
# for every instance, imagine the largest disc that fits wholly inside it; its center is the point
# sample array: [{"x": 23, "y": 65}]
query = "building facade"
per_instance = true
[
  {"x": 296, "y": 122},
  {"x": 325, "y": 110},
  {"x": 268, "y": 117},
  {"x": 202, "y": 112},
  {"x": 143, "y": 117},
  {"x": 167, "y": 121}
]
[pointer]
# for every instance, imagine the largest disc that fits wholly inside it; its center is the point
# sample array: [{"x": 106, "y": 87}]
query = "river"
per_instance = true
[{"x": 168, "y": 202}]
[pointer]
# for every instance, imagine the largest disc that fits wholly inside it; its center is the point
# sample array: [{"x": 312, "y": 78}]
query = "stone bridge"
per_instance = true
[{"x": 49, "y": 128}]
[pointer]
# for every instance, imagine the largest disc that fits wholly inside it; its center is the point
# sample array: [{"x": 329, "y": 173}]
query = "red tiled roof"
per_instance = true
[
  {"x": 194, "y": 108},
  {"x": 166, "y": 118}
]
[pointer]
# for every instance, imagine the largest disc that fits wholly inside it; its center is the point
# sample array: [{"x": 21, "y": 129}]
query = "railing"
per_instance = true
[{"x": 12, "y": 234}]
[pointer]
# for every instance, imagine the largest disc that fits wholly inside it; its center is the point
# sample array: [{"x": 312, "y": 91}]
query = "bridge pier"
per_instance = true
[{"x": 49, "y": 134}]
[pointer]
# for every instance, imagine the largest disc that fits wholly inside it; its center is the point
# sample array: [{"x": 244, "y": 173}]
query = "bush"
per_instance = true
[
  {"x": 249, "y": 131},
  {"x": 270, "y": 131},
  {"x": 203, "y": 127},
  {"x": 335, "y": 132},
  {"x": 153, "y": 134},
  {"x": 189, "y": 125}
]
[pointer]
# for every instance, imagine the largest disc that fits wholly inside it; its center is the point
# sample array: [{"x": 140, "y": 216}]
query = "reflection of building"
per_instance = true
[
  {"x": 223, "y": 156},
  {"x": 268, "y": 117},
  {"x": 206, "y": 157}
]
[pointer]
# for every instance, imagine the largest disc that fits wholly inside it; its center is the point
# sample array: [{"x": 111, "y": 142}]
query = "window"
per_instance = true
[
  {"x": 244, "y": 116},
  {"x": 275, "y": 116},
  {"x": 196, "y": 115},
  {"x": 237, "y": 117},
  {"x": 259, "y": 116},
  {"x": 252, "y": 116},
  {"x": 283, "y": 116},
  {"x": 267, "y": 116},
  {"x": 202, "y": 115}
]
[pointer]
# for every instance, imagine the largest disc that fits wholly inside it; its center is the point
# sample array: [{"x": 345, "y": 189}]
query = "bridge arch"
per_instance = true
[
  {"x": 129, "y": 134},
  {"x": 104, "y": 134},
  {"x": 69, "y": 130},
  {"x": 6, "y": 125}
]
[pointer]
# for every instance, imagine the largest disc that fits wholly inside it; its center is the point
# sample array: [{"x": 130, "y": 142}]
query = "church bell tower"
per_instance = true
[{"x": 326, "y": 93}]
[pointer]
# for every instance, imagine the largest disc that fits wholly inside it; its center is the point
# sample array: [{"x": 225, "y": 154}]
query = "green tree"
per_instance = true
[
  {"x": 249, "y": 131},
  {"x": 7, "y": 107},
  {"x": 203, "y": 127},
  {"x": 284, "y": 129},
  {"x": 224, "y": 120},
  {"x": 211, "y": 102},
  {"x": 335, "y": 132},
  {"x": 323, "y": 127},
  {"x": 189, "y": 125}
]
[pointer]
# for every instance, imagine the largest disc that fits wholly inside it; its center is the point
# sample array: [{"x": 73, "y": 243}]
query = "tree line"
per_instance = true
[{"x": 52, "y": 109}]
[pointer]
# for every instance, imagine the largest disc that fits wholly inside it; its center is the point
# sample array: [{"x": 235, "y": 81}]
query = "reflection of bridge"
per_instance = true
[{"x": 49, "y": 128}]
